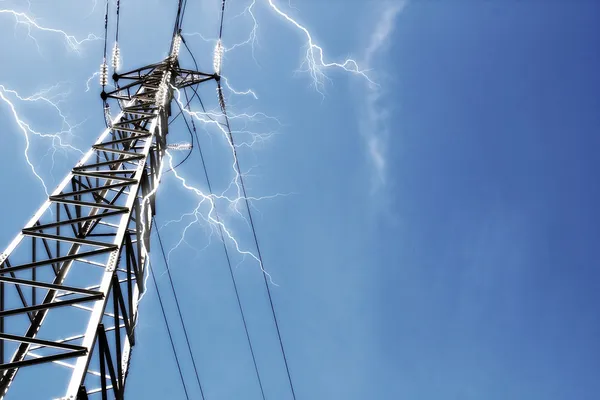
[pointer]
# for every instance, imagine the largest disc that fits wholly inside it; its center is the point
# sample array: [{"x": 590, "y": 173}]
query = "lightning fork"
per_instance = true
[
  {"x": 26, "y": 129},
  {"x": 72, "y": 42},
  {"x": 212, "y": 218}
]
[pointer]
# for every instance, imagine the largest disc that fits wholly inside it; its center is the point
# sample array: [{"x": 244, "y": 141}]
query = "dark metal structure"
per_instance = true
[{"x": 71, "y": 281}]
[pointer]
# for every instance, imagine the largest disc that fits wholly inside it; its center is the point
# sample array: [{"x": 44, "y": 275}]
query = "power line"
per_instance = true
[
  {"x": 255, "y": 236},
  {"x": 239, "y": 171},
  {"x": 195, "y": 134},
  {"x": 106, "y": 29},
  {"x": 182, "y": 4},
  {"x": 187, "y": 339},
  {"x": 118, "y": 19},
  {"x": 260, "y": 258},
  {"x": 222, "y": 236},
  {"x": 162, "y": 308},
  {"x": 222, "y": 16}
]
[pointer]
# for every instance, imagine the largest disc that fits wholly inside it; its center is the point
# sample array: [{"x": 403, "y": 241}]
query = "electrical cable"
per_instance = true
[
  {"x": 260, "y": 258},
  {"x": 182, "y": 14},
  {"x": 187, "y": 339},
  {"x": 222, "y": 237},
  {"x": 118, "y": 18},
  {"x": 222, "y": 16},
  {"x": 181, "y": 110},
  {"x": 179, "y": 19},
  {"x": 196, "y": 94},
  {"x": 162, "y": 308},
  {"x": 249, "y": 211},
  {"x": 192, "y": 139},
  {"x": 106, "y": 29}
]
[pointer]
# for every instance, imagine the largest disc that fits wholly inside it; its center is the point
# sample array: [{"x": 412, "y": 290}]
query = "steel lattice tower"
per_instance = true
[{"x": 71, "y": 280}]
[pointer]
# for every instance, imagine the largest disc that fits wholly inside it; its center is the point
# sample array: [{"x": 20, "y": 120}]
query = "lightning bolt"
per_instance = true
[
  {"x": 11, "y": 96},
  {"x": 315, "y": 58},
  {"x": 197, "y": 215},
  {"x": 56, "y": 138},
  {"x": 87, "y": 83},
  {"x": 315, "y": 62},
  {"x": 244, "y": 93},
  {"x": 72, "y": 42},
  {"x": 250, "y": 40},
  {"x": 206, "y": 208},
  {"x": 211, "y": 216}
]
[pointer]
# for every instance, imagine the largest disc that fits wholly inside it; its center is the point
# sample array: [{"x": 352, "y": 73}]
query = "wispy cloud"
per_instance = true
[{"x": 374, "y": 122}]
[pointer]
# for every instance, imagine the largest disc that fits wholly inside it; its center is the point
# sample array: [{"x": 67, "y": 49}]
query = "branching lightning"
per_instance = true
[
  {"x": 56, "y": 138},
  {"x": 314, "y": 63},
  {"x": 24, "y": 19},
  {"x": 314, "y": 59},
  {"x": 10, "y": 96},
  {"x": 197, "y": 214},
  {"x": 244, "y": 93},
  {"x": 206, "y": 207},
  {"x": 211, "y": 216},
  {"x": 87, "y": 83}
]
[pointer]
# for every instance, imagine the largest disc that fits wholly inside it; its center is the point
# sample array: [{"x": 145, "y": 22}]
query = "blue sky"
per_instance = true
[{"x": 439, "y": 240}]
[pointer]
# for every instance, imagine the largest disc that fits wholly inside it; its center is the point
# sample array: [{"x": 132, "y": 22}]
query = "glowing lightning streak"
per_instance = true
[
  {"x": 73, "y": 43},
  {"x": 252, "y": 37},
  {"x": 210, "y": 118},
  {"x": 26, "y": 129},
  {"x": 211, "y": 217},
  {"x": 314, "y": 55},
  {"x": 247, "y": 92},
  {"x": 87, "y": 83},
  {"x": 182, "y": 238},
  {"x": 315, "y": 62},
  {"x": 24, "y": 19},
  {"x": 197, "y": 215}
]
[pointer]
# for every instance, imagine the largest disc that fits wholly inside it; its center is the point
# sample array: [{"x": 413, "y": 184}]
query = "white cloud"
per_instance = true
[{"x": 374, "y": 122}]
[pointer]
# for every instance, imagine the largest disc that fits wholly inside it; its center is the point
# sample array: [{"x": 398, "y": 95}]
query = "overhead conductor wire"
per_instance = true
[
  {"x": 225, "y": 249},
  {"x": 162, "y": 308},
  {"x": 247, "y": 202},
  {"x": 187, "y": 339}
]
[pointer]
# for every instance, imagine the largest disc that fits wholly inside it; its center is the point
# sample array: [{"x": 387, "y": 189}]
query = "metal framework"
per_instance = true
[{"x": 71, "y": 280}]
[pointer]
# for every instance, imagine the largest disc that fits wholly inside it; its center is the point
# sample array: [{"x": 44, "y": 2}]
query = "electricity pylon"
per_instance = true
[{"x": 70, "y": 282}]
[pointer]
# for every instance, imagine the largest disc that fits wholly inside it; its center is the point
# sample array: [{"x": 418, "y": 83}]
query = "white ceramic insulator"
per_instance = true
[
  {"x": 218, "y": 57},
  {"x": 116, "y": 57},
  {"x": 176, "y": 46},
  {"x": 103, "y": 74}
]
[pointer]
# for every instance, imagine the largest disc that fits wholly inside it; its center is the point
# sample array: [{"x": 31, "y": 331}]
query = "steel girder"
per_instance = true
[{"x": 70, "y": 282}]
